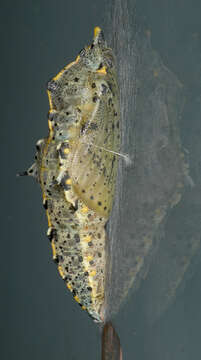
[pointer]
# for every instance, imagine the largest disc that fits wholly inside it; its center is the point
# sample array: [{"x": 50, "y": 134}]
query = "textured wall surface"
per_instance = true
[{"x": 158, "y": 51}]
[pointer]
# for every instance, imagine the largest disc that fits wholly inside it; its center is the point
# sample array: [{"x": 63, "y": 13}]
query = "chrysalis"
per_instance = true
[{"x": 76, "y": 167}]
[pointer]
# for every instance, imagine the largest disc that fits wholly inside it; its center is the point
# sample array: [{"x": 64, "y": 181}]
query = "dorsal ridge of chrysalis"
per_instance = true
[{"x": 32, "y": 171}]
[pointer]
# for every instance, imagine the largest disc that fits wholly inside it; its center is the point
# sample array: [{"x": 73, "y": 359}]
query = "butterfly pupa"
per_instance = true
[{"x": 76, "y": 173}]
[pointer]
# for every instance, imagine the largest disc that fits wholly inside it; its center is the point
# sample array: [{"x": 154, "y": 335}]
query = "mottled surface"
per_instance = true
[
  {"x": 158, "y": 209},
  {"x": 76, "y": 168},
  {"x": 151, "y": 99}
]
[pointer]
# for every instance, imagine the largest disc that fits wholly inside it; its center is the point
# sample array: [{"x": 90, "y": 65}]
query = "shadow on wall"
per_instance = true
[{"x": 154, "y": 229}]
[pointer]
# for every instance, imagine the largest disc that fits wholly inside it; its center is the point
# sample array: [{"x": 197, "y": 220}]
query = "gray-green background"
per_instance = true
[{"x": 39, "y": 319}]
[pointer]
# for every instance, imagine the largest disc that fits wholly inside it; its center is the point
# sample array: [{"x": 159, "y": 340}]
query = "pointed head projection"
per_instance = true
[{"x": 92, "y": 55}]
